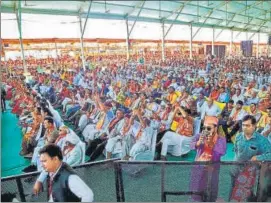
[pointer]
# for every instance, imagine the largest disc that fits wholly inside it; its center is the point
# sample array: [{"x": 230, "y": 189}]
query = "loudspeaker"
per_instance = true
[
  {"x": 269, "y": 40},
  {"x": 219, "y": 50},
  {"x": 246, "y": 47}
]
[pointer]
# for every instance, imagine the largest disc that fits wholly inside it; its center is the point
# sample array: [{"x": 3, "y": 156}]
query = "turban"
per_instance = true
[{"x": 210, "y": 120}]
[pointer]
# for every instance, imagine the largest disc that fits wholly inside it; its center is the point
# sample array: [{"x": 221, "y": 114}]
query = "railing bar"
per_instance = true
[
  {"x": 20, "y": 189},
  {"x": 75, "y": 167},
  {"x": 117, "y": 181}
]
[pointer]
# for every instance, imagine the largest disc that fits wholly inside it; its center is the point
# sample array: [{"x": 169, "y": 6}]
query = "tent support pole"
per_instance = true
[
  {"x": 19, "y": 23},
  {"x": 163, "y": 41},
  {"x": 82, "y": 43},
  {"x": 190, "y": 42}
]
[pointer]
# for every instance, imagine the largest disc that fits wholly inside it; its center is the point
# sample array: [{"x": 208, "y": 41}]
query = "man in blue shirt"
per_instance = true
[
  {"x": 253, "y": 100},
  {"x": 249, "y": 146},
  {"x": 224, "y": 96}
]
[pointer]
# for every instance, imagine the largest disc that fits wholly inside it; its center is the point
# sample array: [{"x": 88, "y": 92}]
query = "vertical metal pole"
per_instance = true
[
  {"x": 20, "y": 189},
  {"x": 190, "y": 43},
  {"x": 246, "y": 36},
  {"x": 163, "y": 41},
  {"x": 213, "y": 41},
  {"x": 258, "y": 41},
  {"x": 56, "y": 55},
  {"x": 231, "y": 41},
  {"x": 127, "y": 40},
  {"x": 82, "y": 43},
  {"x": 19, "y": 23},
  {"x": 163, "y": 195},
  {"x": 263, "y": 172},
  {"x": 121, "y": 186},
  {"x": 268, "y": 47},
  {"x": 5, "y": 59},
  {"x": 117, "y": 181}
]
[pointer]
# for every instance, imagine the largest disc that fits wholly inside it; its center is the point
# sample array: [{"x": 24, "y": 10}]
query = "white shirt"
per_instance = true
[
  {"x": 236, "y": 98},
  {"x": 267, "y": 128},
  {"x": 209, "y": 111},
  {"x": 74, "y": 157},
  {"x": 240, "y": 115},
  {"x": 77, "y": 186},
  {"x": 83, "y": 121},
  {"x": 82, "y": 83},
  {"x": 112, "y": 94}
]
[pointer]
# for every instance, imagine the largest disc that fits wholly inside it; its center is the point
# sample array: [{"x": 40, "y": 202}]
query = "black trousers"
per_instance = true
[
  {"x": 235, "y": 129},
  {"x": 95, "y": 149},
  {"x": 159, "y": 146},
  {"x": 3, "y": 103},
  {"x": 161, "y": 134}
]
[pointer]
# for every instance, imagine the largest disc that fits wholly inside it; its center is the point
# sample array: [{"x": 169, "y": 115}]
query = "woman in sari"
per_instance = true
[
  {"x": 30, "y": 135},
  {"x": 20, "y": 103},
  {"x": 210, "y": 147}
]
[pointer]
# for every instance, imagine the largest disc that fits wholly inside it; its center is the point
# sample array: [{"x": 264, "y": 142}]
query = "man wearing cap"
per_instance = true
[
  {"x": 72, "y": 151},
  {"x": 210, "y": 146},
  {"x": 61, "y": 140}
]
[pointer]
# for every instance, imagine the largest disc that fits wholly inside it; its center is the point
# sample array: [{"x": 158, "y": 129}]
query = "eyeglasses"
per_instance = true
[{"x": 208, "y": 128}]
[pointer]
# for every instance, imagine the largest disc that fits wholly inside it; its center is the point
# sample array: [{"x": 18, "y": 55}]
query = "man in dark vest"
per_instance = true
[
  {"x": 64, "y": 185},
  {"x": 3, "y": 99}
]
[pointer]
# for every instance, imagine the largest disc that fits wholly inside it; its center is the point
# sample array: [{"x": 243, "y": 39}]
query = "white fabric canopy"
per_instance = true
[{"x": 49, "y": 26}]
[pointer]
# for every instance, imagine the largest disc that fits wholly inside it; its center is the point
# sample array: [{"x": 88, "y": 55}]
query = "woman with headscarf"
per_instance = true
[{"x": 31, "y": 134}]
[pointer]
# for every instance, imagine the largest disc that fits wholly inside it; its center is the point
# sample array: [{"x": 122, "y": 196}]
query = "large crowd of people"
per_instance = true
[{"x": 114, "y": 108}]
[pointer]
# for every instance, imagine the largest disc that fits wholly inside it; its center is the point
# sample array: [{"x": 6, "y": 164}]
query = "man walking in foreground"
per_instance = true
[{"x": 64, "y": 185}]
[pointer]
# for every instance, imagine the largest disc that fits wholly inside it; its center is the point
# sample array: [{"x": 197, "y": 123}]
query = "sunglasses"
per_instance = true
[{"x": 208, "y": 128}]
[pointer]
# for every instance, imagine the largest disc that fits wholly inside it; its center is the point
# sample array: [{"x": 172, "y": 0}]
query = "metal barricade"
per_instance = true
[
  {"x": 175, "y": 181},
  {"x": 115, "y": 180},
  {"x": 99, "y": 176}
]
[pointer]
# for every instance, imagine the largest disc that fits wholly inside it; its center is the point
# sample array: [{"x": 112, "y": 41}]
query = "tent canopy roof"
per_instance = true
[{"x": 252, "y": 16}]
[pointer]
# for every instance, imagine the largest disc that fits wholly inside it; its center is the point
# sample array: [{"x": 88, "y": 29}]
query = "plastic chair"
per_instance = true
[
  {"x": 186, "y": 145},
  {"x": 149, "y": 154}
]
